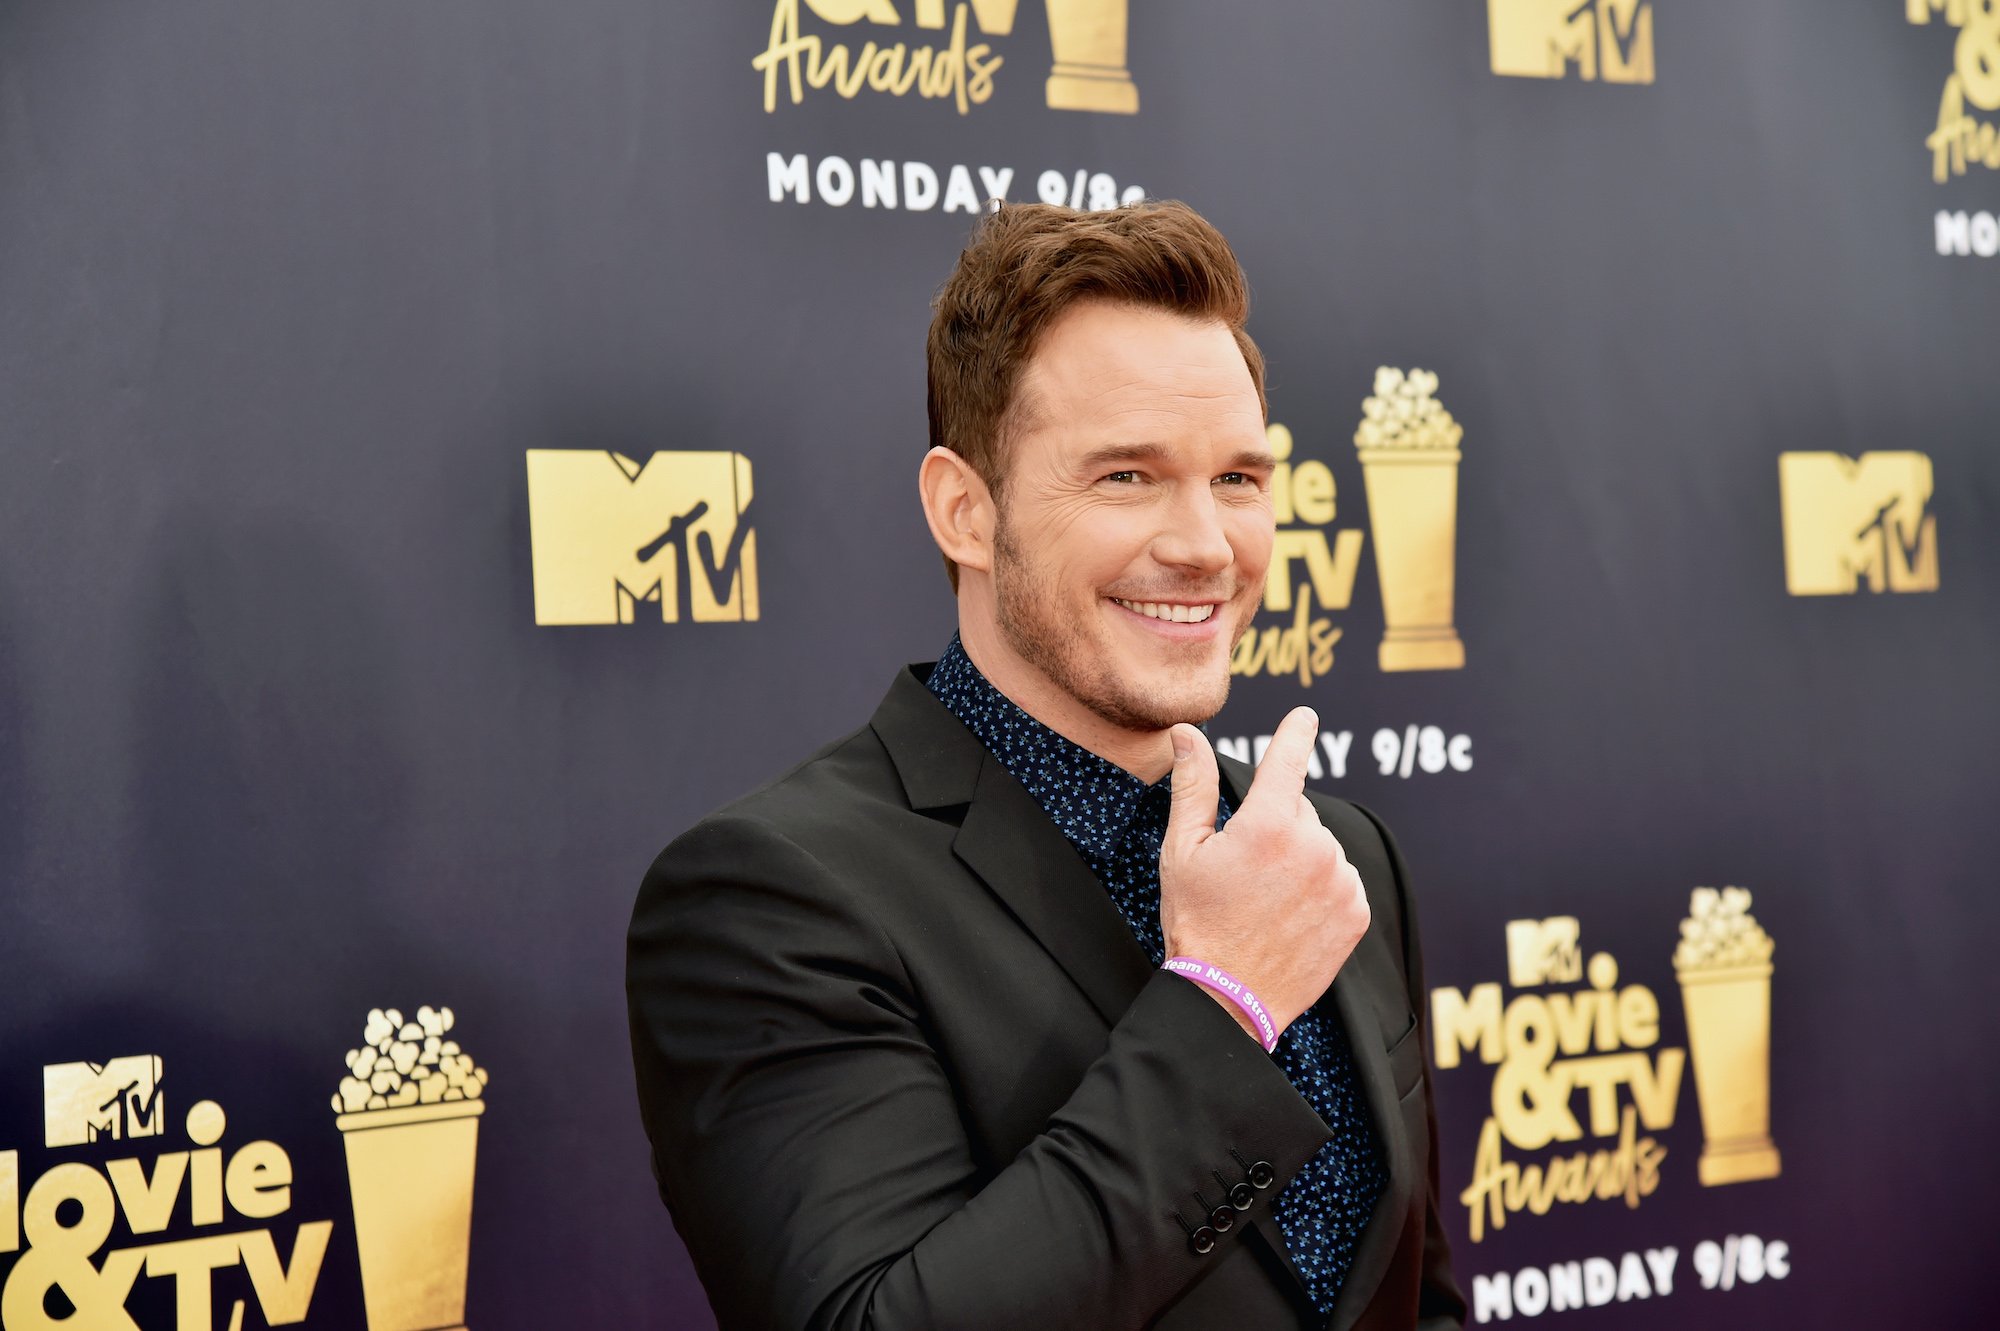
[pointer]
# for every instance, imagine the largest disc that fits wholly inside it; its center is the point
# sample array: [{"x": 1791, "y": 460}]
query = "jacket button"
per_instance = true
[
  {"x": 1222, "y": 1219},
  {"x": 1202, "y": 1241},
  {"x": 1241, "y": 1197},
  {"x": 1263, "y": 1175}
]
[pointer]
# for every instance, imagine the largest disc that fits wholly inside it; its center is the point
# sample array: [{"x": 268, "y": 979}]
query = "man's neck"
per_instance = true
[{"x": 1146, "y": 754}]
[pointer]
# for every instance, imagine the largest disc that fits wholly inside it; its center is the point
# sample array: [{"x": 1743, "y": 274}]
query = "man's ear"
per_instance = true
[{"x": 959, "y": 509}]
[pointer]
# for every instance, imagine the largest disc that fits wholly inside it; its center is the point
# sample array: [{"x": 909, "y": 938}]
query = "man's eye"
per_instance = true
[
  {"x": 1123, "y": 477},
  {"x": 1234, "y": 478}
]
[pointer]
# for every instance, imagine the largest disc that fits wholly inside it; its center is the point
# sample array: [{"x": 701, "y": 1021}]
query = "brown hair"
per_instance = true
[{"x": 1029, "y": 262}]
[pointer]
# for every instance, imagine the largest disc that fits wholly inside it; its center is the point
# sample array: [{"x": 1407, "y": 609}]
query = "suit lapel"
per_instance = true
[
  {"x": 1378, "y": 1091},
  {"x": 1027, "y": 862},
  {"x": 1012, "y": 846}
]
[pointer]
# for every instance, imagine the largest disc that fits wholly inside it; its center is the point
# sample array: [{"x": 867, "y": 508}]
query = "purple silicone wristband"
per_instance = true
[{"x": 1231, "y": 988}]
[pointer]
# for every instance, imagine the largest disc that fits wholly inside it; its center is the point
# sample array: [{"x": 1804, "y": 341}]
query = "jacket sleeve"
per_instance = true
[
  {"x": 1440, "y": 1303},
  {"x": 808, "y": 1141}
]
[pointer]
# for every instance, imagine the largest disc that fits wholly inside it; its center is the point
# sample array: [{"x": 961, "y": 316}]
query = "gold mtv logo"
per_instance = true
[
  {"x": 1544, "y": 951},
  {"x": 118, "y": 1099},
  {"x": 1849, "y": 519},
  {"x": 610, "y": 534},
  {"x": 1610, "y": 40}
]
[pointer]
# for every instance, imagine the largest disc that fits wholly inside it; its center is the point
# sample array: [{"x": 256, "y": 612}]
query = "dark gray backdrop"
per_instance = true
[{"x": 287, "y": 290}]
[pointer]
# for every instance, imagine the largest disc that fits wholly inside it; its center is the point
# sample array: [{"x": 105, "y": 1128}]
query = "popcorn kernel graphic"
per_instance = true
[
  {"x": 1724, "y": 964},
  {"x": 408, "y": 1110},
  {"x": 1409, "y": 462}
]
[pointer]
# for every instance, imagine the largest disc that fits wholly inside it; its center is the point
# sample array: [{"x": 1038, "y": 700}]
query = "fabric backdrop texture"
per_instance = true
[{"x": 449, "y": 447}]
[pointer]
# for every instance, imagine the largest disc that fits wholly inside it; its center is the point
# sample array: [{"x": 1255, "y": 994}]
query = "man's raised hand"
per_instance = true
[{"x": 1270, "y": 898}]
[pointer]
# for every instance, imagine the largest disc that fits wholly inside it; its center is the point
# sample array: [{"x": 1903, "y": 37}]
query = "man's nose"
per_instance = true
[{"x": 1193, "y": 537}]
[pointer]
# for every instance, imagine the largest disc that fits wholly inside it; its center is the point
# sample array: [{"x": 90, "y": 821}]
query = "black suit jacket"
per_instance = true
[{"x": 902, "y": 1064}]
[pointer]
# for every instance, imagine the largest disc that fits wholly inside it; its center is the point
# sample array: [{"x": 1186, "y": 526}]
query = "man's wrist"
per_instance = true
[
  {"x": 1232, "y": 993},
  {"x": 1241, "y": 1017}
]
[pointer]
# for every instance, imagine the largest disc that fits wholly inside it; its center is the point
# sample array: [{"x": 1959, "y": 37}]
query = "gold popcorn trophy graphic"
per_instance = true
[
  {"x": 1088, "y": 40},
  {"x": 1724, "y": 964},
  {"x": 1409, "y": 462},
  {"x": 409, "y": 1111}
]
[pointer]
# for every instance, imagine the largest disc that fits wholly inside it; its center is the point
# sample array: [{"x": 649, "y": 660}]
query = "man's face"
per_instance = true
[{"x": 1135, "y": 520}]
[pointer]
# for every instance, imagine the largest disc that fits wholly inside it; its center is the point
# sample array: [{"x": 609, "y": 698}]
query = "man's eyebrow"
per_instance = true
[{"x": 1248, "y": 459}]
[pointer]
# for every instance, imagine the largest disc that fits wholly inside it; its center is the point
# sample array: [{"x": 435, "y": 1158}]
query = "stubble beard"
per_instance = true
[{"x": 1028, "y": 608}]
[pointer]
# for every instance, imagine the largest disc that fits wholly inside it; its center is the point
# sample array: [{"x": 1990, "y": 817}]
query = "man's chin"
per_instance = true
[{"x": 1157, "y": 700}]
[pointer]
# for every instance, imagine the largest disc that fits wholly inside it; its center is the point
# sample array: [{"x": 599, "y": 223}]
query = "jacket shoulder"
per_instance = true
[{"x": 849, "y": 777}]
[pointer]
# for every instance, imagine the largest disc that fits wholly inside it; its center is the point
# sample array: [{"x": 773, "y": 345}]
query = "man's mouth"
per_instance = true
[{"x": 1167, "y": 610}]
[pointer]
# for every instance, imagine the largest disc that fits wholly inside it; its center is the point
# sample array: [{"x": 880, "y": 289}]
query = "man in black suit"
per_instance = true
[{"x": 907, "y": 1051}]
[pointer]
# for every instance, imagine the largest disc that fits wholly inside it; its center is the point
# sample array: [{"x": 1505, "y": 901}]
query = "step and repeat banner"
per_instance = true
[{"x": 451, "y": 445}]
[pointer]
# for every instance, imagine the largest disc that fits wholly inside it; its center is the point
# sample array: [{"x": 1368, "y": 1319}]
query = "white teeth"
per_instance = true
[{"x": 1178, "y": 614}]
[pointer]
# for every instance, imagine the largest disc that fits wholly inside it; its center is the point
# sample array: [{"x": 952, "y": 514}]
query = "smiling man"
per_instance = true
[{"x": 1012, "y": 1009}]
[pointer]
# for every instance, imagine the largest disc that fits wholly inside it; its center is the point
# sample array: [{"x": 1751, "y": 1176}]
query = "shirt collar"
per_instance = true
[{"x": 1091, "y": 799}]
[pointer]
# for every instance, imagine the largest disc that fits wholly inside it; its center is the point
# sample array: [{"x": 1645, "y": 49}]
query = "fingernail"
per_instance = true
[{"x": 1183, "y": 746}]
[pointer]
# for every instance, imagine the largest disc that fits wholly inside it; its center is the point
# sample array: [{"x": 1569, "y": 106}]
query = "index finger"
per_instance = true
[{"x": 1281, "y": 776}]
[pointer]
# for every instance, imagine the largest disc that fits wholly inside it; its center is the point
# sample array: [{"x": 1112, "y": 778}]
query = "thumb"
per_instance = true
[{"x": 1191, "y": 816}]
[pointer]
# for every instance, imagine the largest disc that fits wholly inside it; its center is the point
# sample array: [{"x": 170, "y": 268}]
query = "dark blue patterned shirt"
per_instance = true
[{"x": 1116, "y": 821}]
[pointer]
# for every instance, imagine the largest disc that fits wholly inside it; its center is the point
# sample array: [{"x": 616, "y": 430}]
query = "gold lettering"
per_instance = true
[
  {"x": 1501, "y": 1187},
  {"x": 1961, "y": 140},
  {"x": 996, "y": 17},
  {"x": 957, "y": 71},
  {"x": 1490, "y": 1174},
  {"x": 1601, "y": 1076},
  {"x": 1573, "y": 1017},
  {"x": 1529, "y": 1030},
  {"x": 1604, "y": 980},
  {"x": 1460, "y": 1023},
  {"x": 954, "y": 59},
  {"x": 191, "y": 1262},
  {"x": 1977, "y": 54},
  {"x": 1304, "y": 647},
  {"x": 1638, "y": 1017},
  {"x": 69, "y": 1182},
  {"x": 207, "y": 1190},
  {"x": 1919, "y": 11},
  {"x": 784, "y": 47},
  {"x": 844, "y": 12},
  {"x": 1299, "y": 493},
  {"x": 98, "y": 1295},
  {"x": 148, "y": 1206},
  {"x": 1312, "y": 494},
  {"x": 285, "y": 1293},
  {"x": 1324, "y": 636},
  {"x": 984, "y": 66},
  {"x": 1657, "y": 1087},
  {"x": 258, "y": 1181},
  {"x": 834, "y": 70},
  {"x": 1330, "y": 572},
  {"x": 1531, "y": 1098},
  {"x": 886, "y": 69}
]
